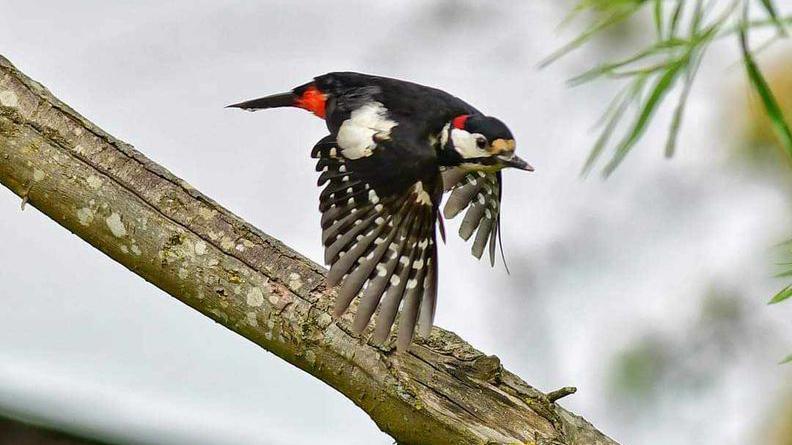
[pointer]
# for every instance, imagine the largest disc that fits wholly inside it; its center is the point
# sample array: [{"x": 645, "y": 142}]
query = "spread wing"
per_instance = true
[
  {"x": 379, "y": 239},
  {"x": 479, "y": 193}
]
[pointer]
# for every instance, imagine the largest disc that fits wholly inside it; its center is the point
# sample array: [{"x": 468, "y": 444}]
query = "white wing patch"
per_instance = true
[{"x": 356, "y": 135}]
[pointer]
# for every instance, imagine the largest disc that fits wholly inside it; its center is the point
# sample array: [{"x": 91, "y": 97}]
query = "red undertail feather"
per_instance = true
[{"x": 312, "y": 100}]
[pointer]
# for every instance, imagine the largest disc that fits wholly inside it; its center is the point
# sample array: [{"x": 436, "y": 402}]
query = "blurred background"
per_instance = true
[{"x": 647, "y": 291}]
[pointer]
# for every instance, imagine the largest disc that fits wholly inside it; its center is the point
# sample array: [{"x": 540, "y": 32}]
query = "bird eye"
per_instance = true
[{"x": 481, "y": 142}]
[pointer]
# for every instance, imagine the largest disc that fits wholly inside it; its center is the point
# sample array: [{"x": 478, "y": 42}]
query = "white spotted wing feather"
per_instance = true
[
  {"x": 479, "y": 193},
  {"x": 384, "y": 246}
]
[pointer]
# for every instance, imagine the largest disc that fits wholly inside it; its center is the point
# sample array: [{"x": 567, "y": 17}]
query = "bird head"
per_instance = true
[{"x": 478, "y": 142}]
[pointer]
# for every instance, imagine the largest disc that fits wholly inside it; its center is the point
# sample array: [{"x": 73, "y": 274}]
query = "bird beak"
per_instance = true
[{"x": 515, "y": 161}]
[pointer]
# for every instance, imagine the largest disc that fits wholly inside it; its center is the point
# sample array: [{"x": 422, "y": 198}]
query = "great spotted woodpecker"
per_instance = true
[{"x": 394, "y": 148}]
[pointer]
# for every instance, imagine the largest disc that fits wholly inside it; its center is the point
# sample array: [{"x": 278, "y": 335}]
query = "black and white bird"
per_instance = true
[{"x": 394, "y": 148}]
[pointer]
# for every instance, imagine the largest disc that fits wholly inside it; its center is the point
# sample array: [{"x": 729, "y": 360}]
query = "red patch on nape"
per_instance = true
[
  {"x": 459, "y": 121},
  {"x": 312, "y": 100}
]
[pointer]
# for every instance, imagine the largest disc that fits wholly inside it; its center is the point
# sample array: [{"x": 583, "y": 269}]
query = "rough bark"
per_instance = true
[{"x": 442, "y": 392}]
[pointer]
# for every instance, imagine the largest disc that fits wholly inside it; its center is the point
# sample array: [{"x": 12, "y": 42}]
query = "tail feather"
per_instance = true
[{"x": 275, "y": 101}]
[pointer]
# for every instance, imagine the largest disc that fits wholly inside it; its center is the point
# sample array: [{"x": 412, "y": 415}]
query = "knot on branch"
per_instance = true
[{"x": 486, "y": 368}]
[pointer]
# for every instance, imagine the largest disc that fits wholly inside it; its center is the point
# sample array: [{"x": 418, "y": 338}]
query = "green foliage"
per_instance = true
[
  {"x": 637, "y": 371},
  {"x": 768, "y": 99},
  {"x": 684, "y": 31},
  {"x": 786, "y": 292},
  {"x": 782, "y": 295}
]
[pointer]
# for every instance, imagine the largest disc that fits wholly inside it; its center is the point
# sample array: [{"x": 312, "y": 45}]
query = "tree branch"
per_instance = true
[{"x": 159, "y": 227}]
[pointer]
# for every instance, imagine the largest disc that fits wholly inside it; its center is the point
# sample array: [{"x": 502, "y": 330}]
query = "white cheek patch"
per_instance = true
[
  {"x": 465, "y": 144},
  {"x": 356, "y": 135}
]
